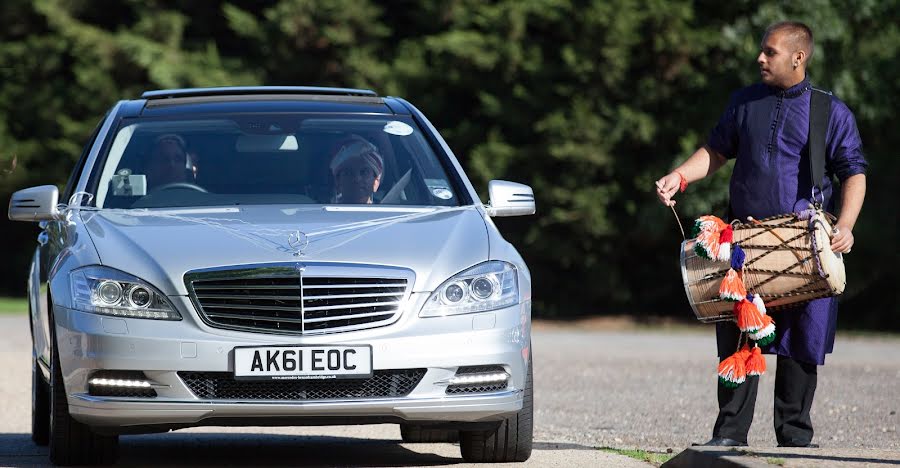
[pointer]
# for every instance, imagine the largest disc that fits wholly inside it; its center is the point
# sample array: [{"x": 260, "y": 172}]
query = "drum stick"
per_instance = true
[
  {"x": 672, "y": 206},
  {"x": 680, "y": 228}
]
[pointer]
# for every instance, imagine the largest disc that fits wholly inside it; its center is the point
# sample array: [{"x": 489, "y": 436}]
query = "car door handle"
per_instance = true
[{"x": 43, "y": 238}]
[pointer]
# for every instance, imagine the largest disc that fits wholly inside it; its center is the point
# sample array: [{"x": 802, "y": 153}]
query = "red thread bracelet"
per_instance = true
[{"x": 684, "y": 183}]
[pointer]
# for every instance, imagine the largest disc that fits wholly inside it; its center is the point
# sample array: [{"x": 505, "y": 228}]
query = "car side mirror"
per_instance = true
[
  {"x": 509, "y": 199},
  {"x": 34, "y": 204}
]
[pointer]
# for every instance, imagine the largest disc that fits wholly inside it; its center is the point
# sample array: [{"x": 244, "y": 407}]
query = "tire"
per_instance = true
[
  {"x": 71, "y": 442},
  {"x": 510, "y": 442},
  {"x": 40, "y": 407},
  {"x": 419, "y": 434}
]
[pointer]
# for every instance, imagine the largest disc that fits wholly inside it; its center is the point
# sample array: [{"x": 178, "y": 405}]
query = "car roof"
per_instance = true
[
  {"x": 242, "y": 99},
  {"x": 251, "y": 90}
]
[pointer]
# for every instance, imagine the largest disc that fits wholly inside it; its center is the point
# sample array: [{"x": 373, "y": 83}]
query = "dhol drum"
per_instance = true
[{"x": 788, "y": 261}]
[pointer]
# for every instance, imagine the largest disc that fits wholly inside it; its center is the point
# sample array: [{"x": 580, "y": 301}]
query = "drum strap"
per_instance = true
[{"x": 819, "y": 111}]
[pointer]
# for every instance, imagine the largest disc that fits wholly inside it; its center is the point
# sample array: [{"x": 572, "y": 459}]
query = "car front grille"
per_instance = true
[
  {"x": 288, "y": 301},
  {"x": 223, "y": 386}
]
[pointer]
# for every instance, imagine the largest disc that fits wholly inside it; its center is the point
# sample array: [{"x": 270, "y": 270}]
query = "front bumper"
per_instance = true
[
  {"x": 160, "y": 349},
  {"x": 100, "y": 411}
]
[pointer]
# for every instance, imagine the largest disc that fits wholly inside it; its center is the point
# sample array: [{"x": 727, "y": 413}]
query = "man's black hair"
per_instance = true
[{"x": 800, "y": 34}]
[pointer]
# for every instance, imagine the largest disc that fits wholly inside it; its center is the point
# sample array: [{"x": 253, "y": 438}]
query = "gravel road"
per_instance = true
[{"x": 651, "y": 390}]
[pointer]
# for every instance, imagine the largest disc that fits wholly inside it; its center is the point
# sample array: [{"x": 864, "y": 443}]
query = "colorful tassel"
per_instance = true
[
  {"x": 758, "y": 302},
  {"x": 725, "y": 238},
  {"x": 737, "y": 257},
  {"x": 707, "y": 223},
  {"x": 707, "y": 245},
  {"x": 766, "y": 334},
  {"x": 732, "y": 371},
  {"x": 732, "y": 287},
  {"x": 747, "y": 316},
  {"x": 707, "y": 230},
  {"x": 756, "y": 363}
]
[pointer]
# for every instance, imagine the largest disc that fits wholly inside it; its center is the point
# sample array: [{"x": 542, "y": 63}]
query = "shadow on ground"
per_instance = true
[
  {"x": 829, "y": 459},
  {"x": 236, "y": 449}
]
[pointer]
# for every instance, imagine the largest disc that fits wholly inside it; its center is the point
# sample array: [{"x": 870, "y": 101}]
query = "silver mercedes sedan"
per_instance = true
[{"x": 262, "y": 256}]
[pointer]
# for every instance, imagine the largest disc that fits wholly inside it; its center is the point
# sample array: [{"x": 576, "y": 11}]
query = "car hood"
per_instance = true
[{"x": 160, "y": 246}]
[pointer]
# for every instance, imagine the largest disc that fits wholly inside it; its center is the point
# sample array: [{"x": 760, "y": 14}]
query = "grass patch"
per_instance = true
[
  {"x": 775, "y": 461},
  {"x": 654, "y": 458},
  {"x": 13, "y": 305}
]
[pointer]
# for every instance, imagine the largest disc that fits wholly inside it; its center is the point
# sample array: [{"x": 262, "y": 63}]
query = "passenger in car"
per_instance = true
[
  {"x": 169, "y": 162},
  {"x": 357, "y": 167}
]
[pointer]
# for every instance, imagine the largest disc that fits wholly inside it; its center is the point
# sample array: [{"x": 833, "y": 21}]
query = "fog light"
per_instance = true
[
  {"x": 120, "y": 383},
  {"x": 475, "y": 379}
]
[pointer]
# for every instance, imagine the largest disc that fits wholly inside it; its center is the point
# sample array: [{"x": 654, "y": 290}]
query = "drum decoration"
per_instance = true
[
  {"x": 741, "y": 271},
  {"x": 714, "y": 242}
]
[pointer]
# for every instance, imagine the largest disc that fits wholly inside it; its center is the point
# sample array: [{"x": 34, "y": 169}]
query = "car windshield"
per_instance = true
[{"x": 271, "y": 159}]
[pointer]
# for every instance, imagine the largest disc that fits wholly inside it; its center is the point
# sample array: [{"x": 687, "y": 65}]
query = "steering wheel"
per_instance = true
[{"x": 180, "y": 185}]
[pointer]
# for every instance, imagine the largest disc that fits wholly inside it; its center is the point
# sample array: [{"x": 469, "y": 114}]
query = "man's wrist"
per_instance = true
[
  {"x": 843, "y": 226},
  {"x": 683, "y": 182}
]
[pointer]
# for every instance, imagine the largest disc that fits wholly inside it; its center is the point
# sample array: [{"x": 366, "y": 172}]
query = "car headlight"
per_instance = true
[
  {"x": 488, "y": 286},
  {"x": 102, "y": 290}
]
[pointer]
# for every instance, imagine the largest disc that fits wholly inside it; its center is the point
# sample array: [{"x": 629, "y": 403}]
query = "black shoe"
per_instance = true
[
  {"x": 721, "y": 442},
  {"x": 791, "y": 444}
]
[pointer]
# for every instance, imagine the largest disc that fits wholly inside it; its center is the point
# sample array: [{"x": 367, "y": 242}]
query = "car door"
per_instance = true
[{"x": 51, "y": 242}]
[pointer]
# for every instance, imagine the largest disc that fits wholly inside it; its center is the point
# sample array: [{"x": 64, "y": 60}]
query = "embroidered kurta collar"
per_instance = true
[{"x": 794, "y": 91}]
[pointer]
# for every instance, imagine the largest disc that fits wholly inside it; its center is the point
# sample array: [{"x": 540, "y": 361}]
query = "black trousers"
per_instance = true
[{"x": 795, "y": 386}]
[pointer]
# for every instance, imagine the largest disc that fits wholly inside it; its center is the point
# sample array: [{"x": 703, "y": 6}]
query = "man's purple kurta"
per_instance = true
[{"x": 766, "y": 130}]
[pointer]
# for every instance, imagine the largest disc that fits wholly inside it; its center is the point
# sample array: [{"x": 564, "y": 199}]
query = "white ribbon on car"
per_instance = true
[{"x": 282, "y": 240}]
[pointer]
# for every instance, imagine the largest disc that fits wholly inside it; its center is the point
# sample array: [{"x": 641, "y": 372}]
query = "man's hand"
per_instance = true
[
  {"x": 842, "y": 240},
  {"x": 668, "y": 186}
]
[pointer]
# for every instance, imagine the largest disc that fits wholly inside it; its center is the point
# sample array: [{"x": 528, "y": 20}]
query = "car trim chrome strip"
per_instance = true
[{"x": 99, "y": 141}]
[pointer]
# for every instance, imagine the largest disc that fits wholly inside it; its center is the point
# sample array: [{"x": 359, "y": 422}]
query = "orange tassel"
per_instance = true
[
  {"x": 748, "y": 317},
  {"x": 707, "y": 245},
  {"x": 707, "y": 230},
  {"x": 732, "y": 371},
  {"x": 766, "y": 334},
  {"x": 756, "y": 363},
  {"x": 732, "y": 287}
]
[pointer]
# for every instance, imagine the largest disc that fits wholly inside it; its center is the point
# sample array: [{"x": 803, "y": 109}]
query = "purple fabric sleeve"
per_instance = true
[
  {"x": 723, "y": 138},
  {"x": 844, "y": 145}
]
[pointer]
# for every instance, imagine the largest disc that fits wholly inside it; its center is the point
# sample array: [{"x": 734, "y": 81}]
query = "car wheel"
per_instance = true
[
  {"x": 418, "y": 434},
  {"x": 510, "y": 442},
  {"x": 71, "y": 442},
  {"x": 40, "y": 406}
]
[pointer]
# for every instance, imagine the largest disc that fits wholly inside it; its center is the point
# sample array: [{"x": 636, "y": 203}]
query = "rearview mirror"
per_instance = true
[
  {"x": 266, "y": 143},
  {"x": 509, "y": 199},
  {"x": 34, "y": 204}
]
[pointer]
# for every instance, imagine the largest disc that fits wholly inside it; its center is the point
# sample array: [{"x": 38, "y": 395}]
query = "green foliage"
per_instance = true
[
  {"x": 588, "y": 101},
  {"x": 13, "y": 305}
]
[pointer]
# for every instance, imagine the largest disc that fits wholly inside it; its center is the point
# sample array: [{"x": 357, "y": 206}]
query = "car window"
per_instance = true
[
  {"x": 271, "y": 159},
  {"x": 79, "y": 164}
]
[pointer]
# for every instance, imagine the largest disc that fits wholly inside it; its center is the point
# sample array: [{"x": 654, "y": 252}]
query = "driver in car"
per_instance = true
[
  {"x": 357, "y": 167},
  {"x": 169, "y": 163}
]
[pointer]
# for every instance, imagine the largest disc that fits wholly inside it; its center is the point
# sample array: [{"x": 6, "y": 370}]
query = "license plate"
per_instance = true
[{"x": 302, "y": 362}]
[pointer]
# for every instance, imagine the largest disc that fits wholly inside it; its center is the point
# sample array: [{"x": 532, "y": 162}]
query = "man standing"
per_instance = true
[{"x": 765, "y": 128}]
